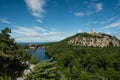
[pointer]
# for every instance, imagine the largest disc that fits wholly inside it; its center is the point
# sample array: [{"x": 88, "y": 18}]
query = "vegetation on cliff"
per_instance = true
[
  {"x": 46, "y": 70},
  {"x": 93, "y": 39},
  {"x": 81, "y": 63},
  {"x": 12, "y": 56},
  {"x": 86, "y": 63},
  {"x": 69, "y": 62}
]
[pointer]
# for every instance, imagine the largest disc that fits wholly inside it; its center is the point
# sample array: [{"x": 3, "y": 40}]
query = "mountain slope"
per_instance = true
[
  {"x": 86, "y": 63},
  {"x": 93, "y": 39}
]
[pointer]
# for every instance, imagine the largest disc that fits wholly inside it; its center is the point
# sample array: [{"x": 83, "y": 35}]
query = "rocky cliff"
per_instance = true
[{"x": 93, "y": 39}]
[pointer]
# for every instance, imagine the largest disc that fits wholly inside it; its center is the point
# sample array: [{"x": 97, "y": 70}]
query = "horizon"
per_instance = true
[
  {"x": 68, "y": 37},
  {"x": 52, "y": 21}
]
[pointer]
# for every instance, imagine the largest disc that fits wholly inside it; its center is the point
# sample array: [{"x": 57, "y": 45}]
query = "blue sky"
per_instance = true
[{"x": 54, "y": 20}]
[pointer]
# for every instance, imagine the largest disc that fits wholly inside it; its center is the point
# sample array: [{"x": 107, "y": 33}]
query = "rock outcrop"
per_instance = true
[
  {"x": 26, "y": 71},
  {"x": 94, "y": 39}
]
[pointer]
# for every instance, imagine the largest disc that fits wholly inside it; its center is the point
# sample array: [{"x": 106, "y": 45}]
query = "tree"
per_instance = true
[
  {"x": 11, "y": 56},
  {"x": 111, "y": 44},
  {"x": 5, "y": 33},
  {"x": 46, "y": 70},
  {"x": 86, "y": 63}
]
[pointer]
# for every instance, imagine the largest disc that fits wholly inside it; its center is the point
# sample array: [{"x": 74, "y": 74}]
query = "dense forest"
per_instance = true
[
  {"x": 67, "y": 62},
  {"x": 86, "y": 63}
]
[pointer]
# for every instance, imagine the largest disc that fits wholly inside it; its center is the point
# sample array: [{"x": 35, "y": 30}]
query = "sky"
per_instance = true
[{"x": 55, "y": 20}]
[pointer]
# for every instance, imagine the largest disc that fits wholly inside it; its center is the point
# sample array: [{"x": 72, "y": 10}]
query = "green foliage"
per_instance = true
[
  {"x": 68, "y": 63},
  {"x": 5, "y": 78},
  {"x": 46, "y": 70},
  {"x": 33, "y": 59},
  {"x": 112, "y": 74},
  {"x": 11, "y": 56},
  {"x": 88, "y": 35},
  {"x": 85, "y": 76},
  {"x": 86, "y": 63}
]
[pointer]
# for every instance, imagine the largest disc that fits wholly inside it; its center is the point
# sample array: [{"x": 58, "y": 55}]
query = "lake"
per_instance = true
[{"x": 40, "y": 54}]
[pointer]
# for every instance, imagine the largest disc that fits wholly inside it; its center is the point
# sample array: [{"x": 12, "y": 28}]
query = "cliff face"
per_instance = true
[{"x": 94, "y": 39}]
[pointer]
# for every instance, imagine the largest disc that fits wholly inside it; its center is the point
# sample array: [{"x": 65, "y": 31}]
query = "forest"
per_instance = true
[
  {"x": 12, "y": 57},
  {"x": 86, "y": 63},
  {"x": 67, "y": 62}
]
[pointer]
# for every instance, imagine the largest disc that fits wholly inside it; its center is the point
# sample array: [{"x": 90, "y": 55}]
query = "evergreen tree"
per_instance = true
[
  {"x": 46, "y": 70},
  {"x": 11, "y": 56}
]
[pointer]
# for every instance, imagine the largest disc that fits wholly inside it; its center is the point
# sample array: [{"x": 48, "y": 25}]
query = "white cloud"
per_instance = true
[
  {"x": 92, "y": 9},
  {"x": 80, "y": 13},
  {"x": 109, "y": 20},
  {"x": 108, "y": 33},
  {"x": 113, "y": 25},
  {"x": 35, "y": 34},
  {"x": 39, "y": 21},
  {"x": 51, "y": 33},
  {"x": 25, "y": 31},
  {"x": 95, "y": 7},
  {"x": 36, "y": 6},
  {"x": 83, "y": 13},
  {"x": 5, "y": 21},
  {"x": 39, "y": 28},
  {"x": 98, "y": 7}
]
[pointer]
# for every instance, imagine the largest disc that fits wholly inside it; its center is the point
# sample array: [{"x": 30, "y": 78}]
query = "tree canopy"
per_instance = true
[
  {"x": 11, "y": 55},
  {"x": 86, "y": 63}
]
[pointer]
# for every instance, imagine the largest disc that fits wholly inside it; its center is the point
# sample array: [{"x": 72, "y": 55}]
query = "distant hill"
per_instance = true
[
  {"x": 87, "y": 63},
  {"x": 93, "y": 39}
]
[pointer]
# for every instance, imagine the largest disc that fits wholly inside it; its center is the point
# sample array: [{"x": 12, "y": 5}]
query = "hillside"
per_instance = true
[
  {"x": 81, "y": 62},
  {"x": 93, "y": 39}
]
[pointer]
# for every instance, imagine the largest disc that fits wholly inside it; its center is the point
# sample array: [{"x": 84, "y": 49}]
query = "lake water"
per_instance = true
[{"x": 40, "y": 54}]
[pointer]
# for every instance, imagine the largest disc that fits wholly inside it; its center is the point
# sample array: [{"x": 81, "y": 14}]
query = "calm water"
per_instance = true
[{"x": 40, "y": 54}]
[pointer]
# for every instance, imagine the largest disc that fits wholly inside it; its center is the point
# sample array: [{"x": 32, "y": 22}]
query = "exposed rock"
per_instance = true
[
  {"x": 94, "y": 39},
  {"x": 32, "y": 47},
  {"x": 26, "y": 72}
]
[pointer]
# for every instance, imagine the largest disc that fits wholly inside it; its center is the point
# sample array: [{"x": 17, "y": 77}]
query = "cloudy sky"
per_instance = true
[{"x": 54, "y": 20}]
